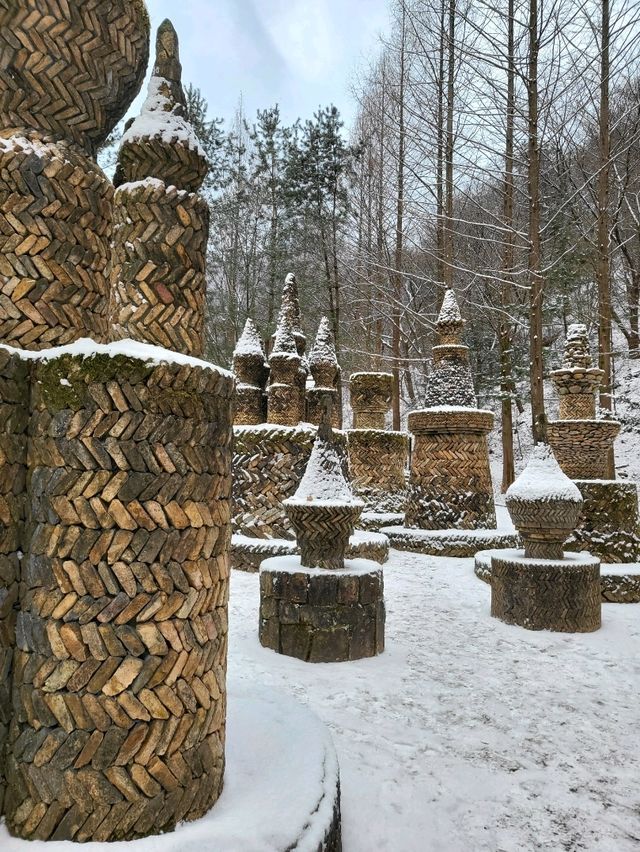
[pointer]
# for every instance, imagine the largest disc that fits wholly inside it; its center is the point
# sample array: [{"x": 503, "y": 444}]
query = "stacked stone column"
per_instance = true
[
  {"x": 55, "y": 202},
  {"x": 317, "y": 607},
  {"x": 450, "y": 480},
  {"x": 377, "y": 458},
  {"x": 161, "y": 224},
  {"x": 325, "y": 371},
  {"x": 250, "y": 370},
  {"x": 542, "y": 588},
  {"x": 285, "y": 364},
  {"x": 609, "y": 526}
]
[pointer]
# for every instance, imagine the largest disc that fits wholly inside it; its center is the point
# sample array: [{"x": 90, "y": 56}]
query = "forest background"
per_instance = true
[{"x": 495, "y": 150}]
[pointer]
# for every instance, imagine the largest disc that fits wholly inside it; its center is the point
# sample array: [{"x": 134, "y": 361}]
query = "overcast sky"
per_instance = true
[{"x": 298, "y": 53}]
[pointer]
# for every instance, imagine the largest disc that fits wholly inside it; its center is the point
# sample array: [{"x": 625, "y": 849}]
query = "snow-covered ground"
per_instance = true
[{"x": 468, "y": 734}]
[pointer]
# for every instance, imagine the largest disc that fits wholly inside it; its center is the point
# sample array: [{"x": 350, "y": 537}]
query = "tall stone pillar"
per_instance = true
[
  {"x": 450, "y": 481},
  {"x": 250, "y": 371},
  {"x": 70, "y": 71},
  {"x": 291, "y": 317},
  {"x": 161, "y": 224},
  {"x": 323, "y": 364},
  {"x": 285, "y": 364}
]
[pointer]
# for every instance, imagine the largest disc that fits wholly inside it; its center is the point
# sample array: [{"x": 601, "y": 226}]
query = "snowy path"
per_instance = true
[{"x": 467, "y": 734}]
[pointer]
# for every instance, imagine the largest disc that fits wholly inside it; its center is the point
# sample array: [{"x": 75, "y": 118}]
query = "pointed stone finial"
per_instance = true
[
  {"x": 249, "y": 342},
  {"x": 167, "y": 65},
  {"x": 161, "y": 143},
  {"x": 290, "y": 307},
  {"x": 449, "y": 323},
  {"x": 322, "y": 358},
  {"x": 284, "y": 342}
]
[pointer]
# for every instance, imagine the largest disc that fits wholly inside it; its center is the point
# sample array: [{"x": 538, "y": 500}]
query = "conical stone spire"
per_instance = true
[
  {"x": 160, "y": 142},
  {"x": 449, "y": 324},
  {"x": 322, "y": 358},
  {"x": 450, "y": 382}
]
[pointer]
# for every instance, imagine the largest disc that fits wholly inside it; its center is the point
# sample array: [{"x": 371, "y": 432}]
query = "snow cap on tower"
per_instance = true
[
  {"x": 249, "y": 342},
  {"x": 449, "y": 323},
  {"x": 323, "y": 351}
]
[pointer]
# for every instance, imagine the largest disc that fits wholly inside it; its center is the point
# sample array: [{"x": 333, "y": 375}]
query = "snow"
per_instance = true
[
  {"x": 356, "y": 375},
  {"x": 458, "y": 408},
  {"x": 324, "y": 483},
  {"x": 87, "y": 348},
  {"x": 271, "y": 739},
  {"x": 159, "y": 119},
  {"x": 150, "y": 182},
  {"x": 249, "y": 342},
  {"x": 323, "y": 350},
  {"x": 29, "y": 146},
  {"x": 292, "y": 565},
  {"x": 304, "y": 428},
  {"x": 542, "y": 479},
  {"x": 450, "y": 311},
  {"x": 467, "y": 733}
]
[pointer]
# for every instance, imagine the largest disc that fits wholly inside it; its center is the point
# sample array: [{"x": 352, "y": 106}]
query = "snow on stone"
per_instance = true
[
  {"x": 450, "y": 310},
  {"x": 87, "y": 348},
  {"x": 159, "y": 119},
  {"x": 543, "y": 479},
  {"x": 150, "y": 182},
  {"x": 249, "y": 342},
  {"x": 323, "y": 350},
  {"x": 284, "y": 343},
  {"x": 292, "y": 565},
  {"x": 323, "y": 481},
  {"x": 469, "y": 734}
]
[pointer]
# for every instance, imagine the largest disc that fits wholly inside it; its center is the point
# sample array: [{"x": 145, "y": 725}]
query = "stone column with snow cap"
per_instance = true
[
  {"x": 283, "y": 406},
  {"x": 371, "y": 395},
  {"x": 70, "y": 71},
  {"x": 324, "y": 367},
  {"x": 250, "y": 370},
  {"x": 319, "y": 607},
  {"x": 450, "y": 482},
  {"x": 161, "y": 223},
  {"x": 290, "y": 315},
  {"x": 541, "y": 587}
]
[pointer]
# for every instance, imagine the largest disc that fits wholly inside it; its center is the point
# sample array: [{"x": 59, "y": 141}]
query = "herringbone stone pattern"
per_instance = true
[
  {"x": 14, "y": 393},
  {"x": 450, "y": 482},
  {"x": 158, "y": 274},
  {"x": 371, "y": 395},
  {"x": 377, "y": 465},
  {"x": 119, "y": 688},
  {"x": 323, "y": 532},
  {"x": 268, "y": 465},
  {"x": 55, "y": 234},
  {"x": 582, "y": 446},
  {"x": 70, "y": 68},
  {"x": 610, "y": 526},
  {"x": 546, "y": 595},
  {"x": 174, "y": 165}
]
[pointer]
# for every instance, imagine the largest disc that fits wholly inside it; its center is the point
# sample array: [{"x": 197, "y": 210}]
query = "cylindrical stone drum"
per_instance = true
[
  {"x": 158, "y": 284},
  {"x": 377, "y": 464},
  {"x": 371, "y": 395},
  {"x": 562, "y": 595},
  {"x": 450, "y": 481},
  {"x": 582, "y": 446},
  {"x": 119, "y": 691}
]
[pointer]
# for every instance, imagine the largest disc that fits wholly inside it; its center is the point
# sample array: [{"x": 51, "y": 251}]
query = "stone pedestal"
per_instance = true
[
  {"x": 582, "y": 446},
  {"x": 321, "y": 616},
  {"x": 118, "y": 712},
  {"x": 377, "y": 465},
  {"x": 450, "y": 479},
  {"x": 371, "y": 395},
  {"x": 561, "y": 595}
]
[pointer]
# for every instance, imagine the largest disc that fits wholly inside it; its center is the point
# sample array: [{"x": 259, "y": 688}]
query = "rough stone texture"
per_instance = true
[
  {"x": 457, "y": 543},
  {"x": 377, "y": 466},
  {"x": 375, "y": 521},
  {"x": 325, "y": 371},
  {"x": 14, "y": 393},
  {"x": 248, "y": 554},
  {"x": 610, "y": 527},
  {"x": 55, "y": 203},
  {"x": 119, "y": 678},
  {"x": 323, "y": 533},
  {"x": 450, "y": 480},
  {"x": 161, "y": 224},
  {"x": 450, "y": 382},
  {"x": 251, "y": 372},
  {"x": 99, "y": 49},
  {"x": 158, "y": 284},
  {"x": 371, "y": 395},
  {"x": 562, "y": 595},
  {"x": 618, "y": 583},
  {"x": 268, "y": 465},
  {"x": 322, "y": 617},
  {"x": 288, "y": 364},
  {"x": 582, "y": 446}
]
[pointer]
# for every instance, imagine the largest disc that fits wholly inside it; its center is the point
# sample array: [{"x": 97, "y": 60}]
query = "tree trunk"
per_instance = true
[{"x": 397, "y": 294}]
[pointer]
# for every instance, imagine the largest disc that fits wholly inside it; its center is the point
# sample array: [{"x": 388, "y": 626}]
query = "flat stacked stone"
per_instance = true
[
  {"x": 609, "y": 527},
  {"x": 55, "y": 202},
  {"x": 161, "y": 222},
  {"x": 541, "y": 588},
  {"x": 14, "y": 422},
  {"x": 377, "y": 458},
  {"x": 119, "y": 680},
  {"x": 316, "y": 607},
  {"x": 285, "y": 364},
  {"x": 250, "y": 370}
]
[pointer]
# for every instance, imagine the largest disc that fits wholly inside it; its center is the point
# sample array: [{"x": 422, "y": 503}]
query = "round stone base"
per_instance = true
[
  {"x": 322, "y": 616},
  {"x": 546, "y": 594},
  {"x": 271, "y": 731},
  {"x": 618, "y": 583},
  {"x": 453, "y": 542},
  {"x": 247, "y": 553}
]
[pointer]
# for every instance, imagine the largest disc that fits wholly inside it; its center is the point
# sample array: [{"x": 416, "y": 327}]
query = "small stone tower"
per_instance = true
[
  {"x": 450, "y": 482},
  {"x": 161, "y": 223},
  {"x": 325, "y": 371},
  {"x": 250, "y": 370},
  {"x": 285, "y": 365}
]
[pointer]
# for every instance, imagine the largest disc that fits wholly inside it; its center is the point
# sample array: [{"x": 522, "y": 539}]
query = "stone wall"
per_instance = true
[
  {"x": 609, "y": 528},
  {"x": 119, "y": 682}
]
